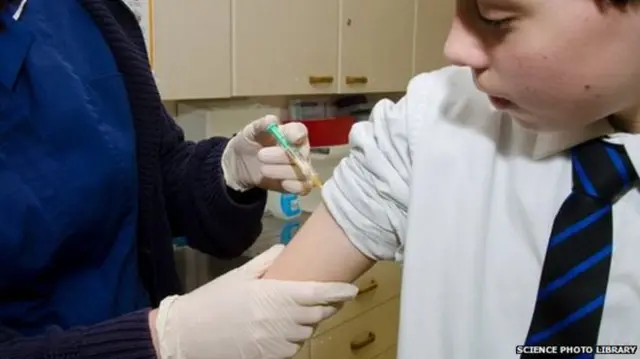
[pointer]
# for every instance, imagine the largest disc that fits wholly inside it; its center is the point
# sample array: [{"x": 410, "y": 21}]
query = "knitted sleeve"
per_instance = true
[
  {"x": 214, "y": 218},
  {"x": 126, "y": 337}
]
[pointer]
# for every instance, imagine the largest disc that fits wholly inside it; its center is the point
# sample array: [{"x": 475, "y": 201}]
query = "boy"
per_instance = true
[{"x": 505, "y": 184}]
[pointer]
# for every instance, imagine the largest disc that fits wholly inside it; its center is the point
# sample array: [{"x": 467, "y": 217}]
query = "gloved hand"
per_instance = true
[
  {"x": 239, "y": 316},
  {"x": 252, "y": 158}
]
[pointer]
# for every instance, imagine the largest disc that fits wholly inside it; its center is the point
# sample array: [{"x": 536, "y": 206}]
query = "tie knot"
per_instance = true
[{"x": 601, "y": 170}]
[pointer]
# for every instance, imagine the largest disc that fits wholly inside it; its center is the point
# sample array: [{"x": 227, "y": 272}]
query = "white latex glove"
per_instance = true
[
  {"x": 252, "y": 158},
  {"x": 239, "y": 316}
]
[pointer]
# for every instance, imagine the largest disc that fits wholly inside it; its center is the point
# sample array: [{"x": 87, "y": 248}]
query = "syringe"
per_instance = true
[{"x": 294, "y": 154}]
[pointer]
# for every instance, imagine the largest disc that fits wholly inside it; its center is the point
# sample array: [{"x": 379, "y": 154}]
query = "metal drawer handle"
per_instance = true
[
  {"x": 356, "y": 80},
  {"x": 368, "y": 288},
  {"x": 359, "y": 343},
  {"x": 317, "y": 80}
]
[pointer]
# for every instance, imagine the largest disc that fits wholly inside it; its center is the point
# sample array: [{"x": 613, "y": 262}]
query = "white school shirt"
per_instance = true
[{"x": 466, "y": 198}]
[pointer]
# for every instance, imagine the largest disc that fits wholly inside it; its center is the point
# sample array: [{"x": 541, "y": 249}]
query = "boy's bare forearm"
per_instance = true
[{"x": 320, "y": 251}]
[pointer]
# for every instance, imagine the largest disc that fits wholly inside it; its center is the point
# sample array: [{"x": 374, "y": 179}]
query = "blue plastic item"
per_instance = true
[
  {"x": 288, "y": 230},
  {"x": 290, "y": 205}
]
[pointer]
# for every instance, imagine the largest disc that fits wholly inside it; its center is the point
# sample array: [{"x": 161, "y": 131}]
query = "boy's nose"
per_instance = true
[{"x": 464, "y": 48}]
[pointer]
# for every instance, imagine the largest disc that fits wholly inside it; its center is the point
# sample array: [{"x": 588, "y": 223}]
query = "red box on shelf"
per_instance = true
[{"x": 325, "y": 132}]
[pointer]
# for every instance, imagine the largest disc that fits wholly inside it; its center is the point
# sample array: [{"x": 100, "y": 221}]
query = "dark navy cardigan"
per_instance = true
[{"x": 181, "y": 193}]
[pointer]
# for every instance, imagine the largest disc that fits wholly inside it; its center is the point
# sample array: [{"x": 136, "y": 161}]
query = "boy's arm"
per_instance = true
[
  {"x": 326, "y": 257},
  {"x": 364, "y": 212},
  {"x": 364, "y": 216}
]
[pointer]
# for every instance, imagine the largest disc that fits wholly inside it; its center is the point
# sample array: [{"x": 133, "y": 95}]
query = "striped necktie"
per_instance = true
[{"x": 575, "y": 272}]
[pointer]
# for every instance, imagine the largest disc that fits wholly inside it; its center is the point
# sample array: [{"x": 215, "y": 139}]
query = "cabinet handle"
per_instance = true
[
  {"x": 363, "y": 341},
  {"x": 317, "y": 80},
  {"x": 356, "y": 80},
  {"x": 368, "y": 288}
]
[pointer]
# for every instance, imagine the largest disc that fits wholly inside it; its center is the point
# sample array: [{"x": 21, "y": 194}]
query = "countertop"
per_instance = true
[{"x": 196, "y": 268}]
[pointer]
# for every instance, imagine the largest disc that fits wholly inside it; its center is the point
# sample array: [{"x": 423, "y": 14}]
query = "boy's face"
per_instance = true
[{"x": 561, "y": 63}]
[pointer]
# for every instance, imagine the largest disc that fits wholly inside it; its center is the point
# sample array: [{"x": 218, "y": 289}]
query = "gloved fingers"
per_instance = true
[
  {"x": 277, "y": 156},
  {"x": 313, "y": 315},
  {"x": 260, "y": 125},
  {"x": 255, "y": 133},
  {"x": 256, "y": 267},
  {"x": 276, "y": 347},
  {"x": 282, "y": 172},
  {"x": 298, "y": 333},
  {"x": 289, "y": 350},
  {"x": 291, "y": 177},
  {"x": 296, "y": 133},
  {"x": 318, "y": 293},
  {"x": 301, "y": 188},
  {"x": 296, "y": 187}
]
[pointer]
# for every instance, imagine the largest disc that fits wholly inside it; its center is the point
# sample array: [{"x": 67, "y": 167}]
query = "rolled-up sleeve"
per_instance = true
[
  {"x": 370, "y": 191},
  {"x": 368, "y": 194}
]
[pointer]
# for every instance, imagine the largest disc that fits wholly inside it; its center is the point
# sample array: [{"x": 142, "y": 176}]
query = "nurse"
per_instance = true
[
  {"x": 95, "y": 180},
  {"x": 506, "y": 184}
]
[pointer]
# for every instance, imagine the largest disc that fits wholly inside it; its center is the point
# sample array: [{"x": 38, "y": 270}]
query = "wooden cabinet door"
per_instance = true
[
  {"x": 433, "y": 23},
  {"x": 376, "y": 45},
  {"x": 285, "y": 47},
  {"x": 192, "y": 57}
]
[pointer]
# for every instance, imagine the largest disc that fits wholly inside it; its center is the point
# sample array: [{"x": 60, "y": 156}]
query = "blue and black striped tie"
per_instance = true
[{"x": 575, "y": 273}]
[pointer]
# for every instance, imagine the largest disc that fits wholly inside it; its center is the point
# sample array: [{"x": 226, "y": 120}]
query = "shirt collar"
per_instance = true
[
  {"x": 551, "y": 143},
  {"x": 631, "y": 143}
]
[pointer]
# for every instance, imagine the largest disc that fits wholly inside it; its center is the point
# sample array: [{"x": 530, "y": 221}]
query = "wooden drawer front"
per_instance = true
[
  {"x": 391, "y": 353},
  {"x": 304, "y": 352},
  {"x": 378, "y": 285},
  {"x": 361, "y": 338}
]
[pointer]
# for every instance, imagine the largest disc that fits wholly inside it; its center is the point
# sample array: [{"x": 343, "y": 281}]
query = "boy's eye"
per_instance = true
[{"x": 497, "y": 23}]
